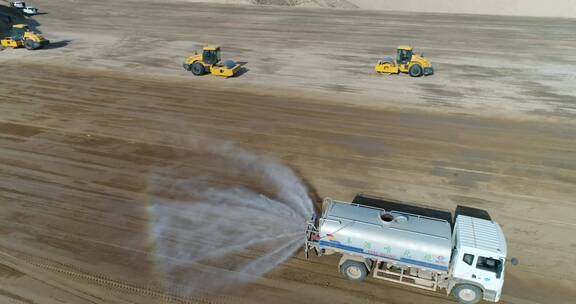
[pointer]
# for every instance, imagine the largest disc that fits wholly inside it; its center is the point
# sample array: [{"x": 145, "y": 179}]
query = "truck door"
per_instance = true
[
  {"x": 464, "y": 266},
  {"x": 489, "y": 271},
  {"x": 465, "y": 269}
]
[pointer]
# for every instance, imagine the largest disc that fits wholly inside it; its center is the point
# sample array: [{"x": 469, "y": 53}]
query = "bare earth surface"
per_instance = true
[
  {"x": 83, "y": 126},
  {"x": 536, "y": 8},
  {"x": 504, "y": 66}
]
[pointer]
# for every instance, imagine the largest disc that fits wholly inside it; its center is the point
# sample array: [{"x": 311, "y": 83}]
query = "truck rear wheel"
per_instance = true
[
  {"x": 354, "y": 271},
  {"x": 468, "y": 294}
]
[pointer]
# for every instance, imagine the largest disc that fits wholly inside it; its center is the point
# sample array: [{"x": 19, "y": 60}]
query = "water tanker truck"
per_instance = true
[{"x": 466, "y": 260}]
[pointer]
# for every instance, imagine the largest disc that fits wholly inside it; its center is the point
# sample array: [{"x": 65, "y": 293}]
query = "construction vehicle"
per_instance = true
[
  {"x": 412, "y": 249},
  {"x": 406, "y": 62},
  {"x": 22, "y": 36},
  {"x": 18, "y": 4},
  {"x": 210, "y": 62},
  {"x": 26, "y": 10},
  {"x": 30, "y": 11}
]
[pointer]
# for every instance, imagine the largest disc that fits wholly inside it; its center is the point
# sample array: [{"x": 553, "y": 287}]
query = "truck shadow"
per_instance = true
[{"x": 10, "y": 16}]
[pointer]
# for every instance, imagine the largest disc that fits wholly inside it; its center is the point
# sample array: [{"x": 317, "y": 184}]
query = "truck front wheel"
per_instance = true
[
  {"x": 468, "y": 294},
  {"x": 354, "y": 271}
]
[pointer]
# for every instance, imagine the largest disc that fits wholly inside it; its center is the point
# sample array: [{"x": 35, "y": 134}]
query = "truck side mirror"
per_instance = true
[{"x": 514, "y": 261}]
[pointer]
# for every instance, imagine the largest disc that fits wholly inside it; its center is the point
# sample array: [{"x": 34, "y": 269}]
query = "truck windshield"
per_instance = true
[{"x": 490, "y": 264}]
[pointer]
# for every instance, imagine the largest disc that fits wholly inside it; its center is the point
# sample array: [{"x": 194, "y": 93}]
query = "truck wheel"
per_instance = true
[
  {"x": 197, "y": 69},
  {"x": 354, "y": 271},
  {"x": 415, "y": 70},
  {"x": 29, "y": 44},
  {"x": 468, "y": 294}
]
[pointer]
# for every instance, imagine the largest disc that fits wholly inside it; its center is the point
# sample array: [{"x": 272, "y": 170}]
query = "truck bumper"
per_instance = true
[
  {"x": 186, "y": 67},
  {"x": 428, "y": 71},
  {"x": 491, "y": 296}
]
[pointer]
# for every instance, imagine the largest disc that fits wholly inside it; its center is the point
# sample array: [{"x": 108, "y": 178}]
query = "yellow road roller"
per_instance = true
[
  {"x": 22, "y": 36},
  {"x": 210, "y": 62},
  {"x": 406, "y": 62}
]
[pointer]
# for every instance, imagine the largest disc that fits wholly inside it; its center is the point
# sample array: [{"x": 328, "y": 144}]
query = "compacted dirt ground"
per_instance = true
[
  {"x": 86, "y": 123},
  {"x": 504, "y": 66}
]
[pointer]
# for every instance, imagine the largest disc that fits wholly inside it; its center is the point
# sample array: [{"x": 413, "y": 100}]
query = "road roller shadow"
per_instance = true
[
  {"x": 243, "y": 70},
  {"x": 57, "y": 44}
]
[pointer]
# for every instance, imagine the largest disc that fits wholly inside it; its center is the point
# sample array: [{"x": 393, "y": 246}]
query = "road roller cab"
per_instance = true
[
  {"x": 210, "y": 62},
  {"x": 22, "y": 36},
  {"x": 405, "y": 62}
]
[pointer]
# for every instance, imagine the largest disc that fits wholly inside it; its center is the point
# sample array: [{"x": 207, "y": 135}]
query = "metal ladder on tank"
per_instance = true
[
  {"x": 311, "y": 230},
  {"x": 382, "y": 273}
]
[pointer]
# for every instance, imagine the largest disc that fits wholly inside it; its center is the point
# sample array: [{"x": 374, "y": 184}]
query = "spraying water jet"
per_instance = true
[{"x": 226, "y": 235}]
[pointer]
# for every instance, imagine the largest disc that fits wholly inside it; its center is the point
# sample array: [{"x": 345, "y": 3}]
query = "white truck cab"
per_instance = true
[{"x": 478, "y": 259}]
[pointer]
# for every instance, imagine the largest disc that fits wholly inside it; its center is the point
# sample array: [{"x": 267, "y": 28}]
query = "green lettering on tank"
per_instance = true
[
  {"x": 387, "y": 249},
  {"x": 348, "y": 241},
  {"x": 367, "y": 245},
  {"x": 407, "y": 254},
  {"x": 428, "y": 257}
]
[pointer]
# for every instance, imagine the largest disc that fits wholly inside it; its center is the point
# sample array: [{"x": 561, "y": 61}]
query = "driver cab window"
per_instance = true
[
  {"x": 210, "y": 57},
  {"x": 489, "y": 264},
  {"x": 404, "y": 56},
  {"x": 468, "y": 259}
]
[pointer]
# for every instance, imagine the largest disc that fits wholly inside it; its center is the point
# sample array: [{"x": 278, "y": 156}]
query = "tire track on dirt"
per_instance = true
[{"x": 76, "y": 274}]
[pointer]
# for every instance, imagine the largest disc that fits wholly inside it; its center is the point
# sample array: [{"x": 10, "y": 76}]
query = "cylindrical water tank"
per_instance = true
[{"x": 386, "y": 235}]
